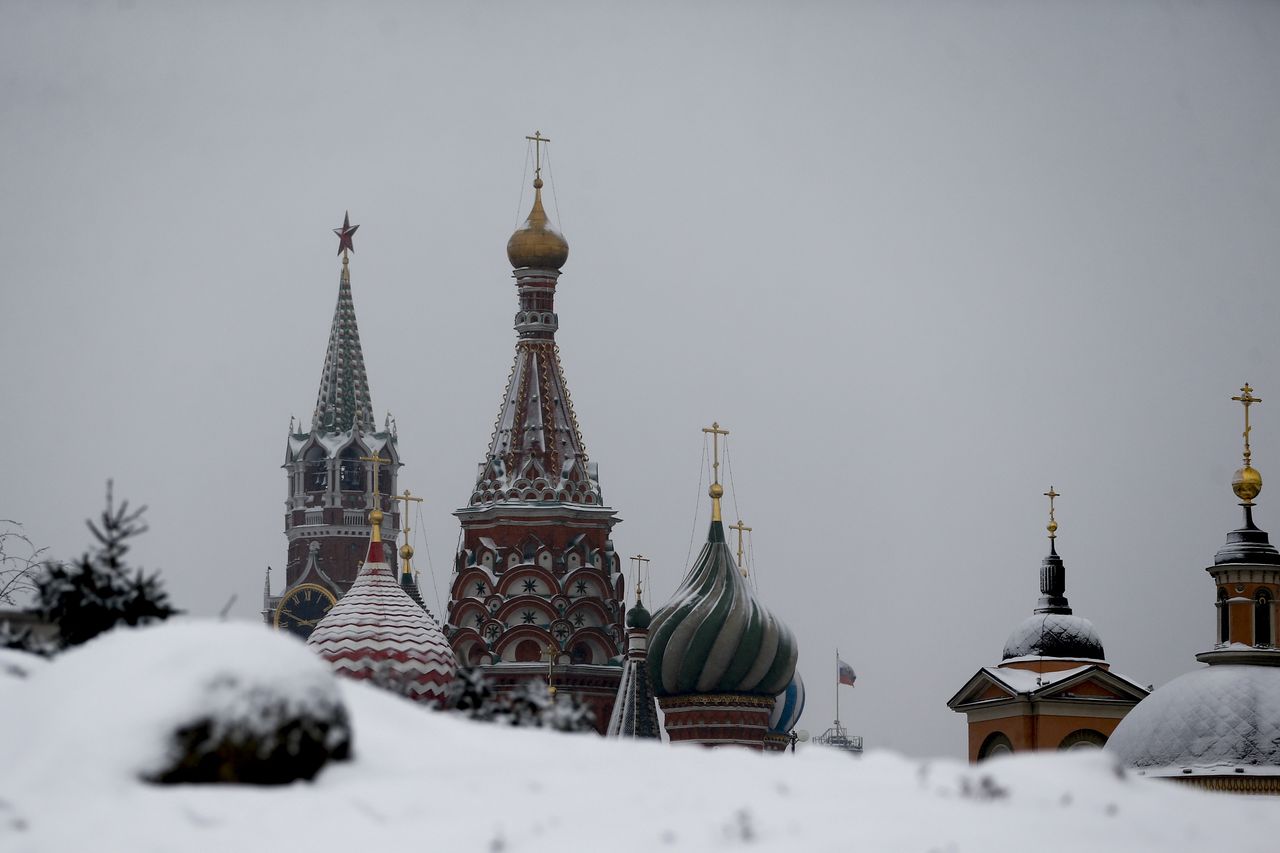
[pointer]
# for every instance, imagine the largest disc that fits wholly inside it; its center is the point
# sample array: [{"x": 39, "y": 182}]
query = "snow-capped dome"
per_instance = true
[
  {"x": 713, "y": 636},
  {"x": 1054, "y": 635},
  {"x": 788, "y": 707},
  {"x": 1211, "y": 720},
  {"x": 377, "y": 632}
]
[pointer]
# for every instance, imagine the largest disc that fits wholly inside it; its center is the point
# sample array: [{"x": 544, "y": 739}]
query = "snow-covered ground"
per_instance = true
[{"x": 75, "y": 735}]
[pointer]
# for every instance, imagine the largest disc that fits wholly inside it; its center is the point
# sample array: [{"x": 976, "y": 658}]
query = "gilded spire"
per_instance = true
[
  {"x": 716, "y": 489},
  {"x": 1247, "y": 482}
]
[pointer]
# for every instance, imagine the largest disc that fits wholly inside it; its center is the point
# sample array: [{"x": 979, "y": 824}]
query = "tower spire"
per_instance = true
[{"x": 343, "y": 399}]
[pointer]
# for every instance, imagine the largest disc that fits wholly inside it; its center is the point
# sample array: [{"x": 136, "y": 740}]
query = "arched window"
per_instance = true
[
  {"x": 1084, "y": 739},
  {"x": 995, "y": 744},
  {"x": 580, "y": 653},
  {"x": 1262, "y": 619},
  {"x": 351, "y": 470},
  {"x": 528, "y": 651},
  {"x": 315, "y": 474},
  {"x": 1224, "y": 616}
]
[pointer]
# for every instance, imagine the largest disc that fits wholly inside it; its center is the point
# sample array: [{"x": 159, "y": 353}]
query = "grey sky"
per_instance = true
[{"x": 923, "y": 259}]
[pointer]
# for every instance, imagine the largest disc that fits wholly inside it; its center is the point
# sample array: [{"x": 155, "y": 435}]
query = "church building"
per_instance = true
[
  {"x": 537, "y": 590},
  {"x": 1218, "y": 726},
  {"x": 329, "y": 476},
  {"x": 1053, "y": 689}
]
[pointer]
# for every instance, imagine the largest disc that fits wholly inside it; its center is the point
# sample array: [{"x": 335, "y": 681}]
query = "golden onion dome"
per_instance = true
[
  {"x": 1247, "y": 483},
  {"x": 535, "y": 243}
]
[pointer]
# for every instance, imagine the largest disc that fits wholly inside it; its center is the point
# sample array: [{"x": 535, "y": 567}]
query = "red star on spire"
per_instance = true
[{"x": 345, "y": 234}]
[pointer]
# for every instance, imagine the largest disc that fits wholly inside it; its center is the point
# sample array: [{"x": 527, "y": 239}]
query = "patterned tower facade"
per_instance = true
[
  {"x": 537, "y": 589},
  {"x": 330, "y": 478}
]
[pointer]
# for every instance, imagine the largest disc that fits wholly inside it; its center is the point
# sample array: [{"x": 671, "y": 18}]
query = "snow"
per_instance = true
[{"x": 75, "y": 734}]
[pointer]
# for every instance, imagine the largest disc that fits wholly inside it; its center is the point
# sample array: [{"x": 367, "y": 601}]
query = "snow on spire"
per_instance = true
[{"x": 343, "y": 400}]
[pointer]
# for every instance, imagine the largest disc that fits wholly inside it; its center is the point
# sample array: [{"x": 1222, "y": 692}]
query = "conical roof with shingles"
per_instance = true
[
  {"x": 635, "y": 713},
  {"x": 377, "y": 632},
  {"x": 344, "y": 387}
]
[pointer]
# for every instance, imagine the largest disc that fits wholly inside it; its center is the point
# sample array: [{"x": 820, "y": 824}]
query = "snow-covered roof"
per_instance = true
[
  {"x": 343, "y": 399},
  {"x": 1059, "y": 635},
  {"x": 1209, "y": 721},
  {"x": 376, "y": 631}
]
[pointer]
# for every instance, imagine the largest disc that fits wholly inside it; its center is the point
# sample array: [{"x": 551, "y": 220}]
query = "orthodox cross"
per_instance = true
[
  {"x": 1052, "y": 526},
  {"x": 641, "y": 565},
  {"x": 741, "y": 528},
  {"x": 406, "y": 497},
  {"x": 345, "y": 236},
  {"x": 377, "y": 460},
  {"x": 1247, "y": 399},
  {"x": 716, "y": 490},
  {"x": 404, "y": 524},
  {"x": 537, "y": 139}
]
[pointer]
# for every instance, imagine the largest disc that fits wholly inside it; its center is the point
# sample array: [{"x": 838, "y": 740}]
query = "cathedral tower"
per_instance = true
[
  {"x": 329, "y": 475},
  {"x": 536, "y": 575}
]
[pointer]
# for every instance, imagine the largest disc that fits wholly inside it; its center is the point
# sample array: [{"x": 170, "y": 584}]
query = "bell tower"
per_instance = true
[
  {"x": 330, "y": 474},
  {"x": 537, "y": 585}
]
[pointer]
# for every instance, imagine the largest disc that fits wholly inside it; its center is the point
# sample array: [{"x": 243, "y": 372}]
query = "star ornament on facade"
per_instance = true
[{"x": 346, "y": 234}]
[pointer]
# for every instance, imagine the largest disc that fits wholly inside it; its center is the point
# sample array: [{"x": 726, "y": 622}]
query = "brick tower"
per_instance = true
[
  {"x": 537, "y": 586},
  {"x": 329, "y": 475}
]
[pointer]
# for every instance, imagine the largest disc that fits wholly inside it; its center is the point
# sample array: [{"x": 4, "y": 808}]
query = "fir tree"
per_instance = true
[{"x": 99, "y": 591}]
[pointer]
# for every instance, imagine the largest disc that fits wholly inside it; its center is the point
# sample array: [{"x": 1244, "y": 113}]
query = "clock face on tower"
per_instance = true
[{"x": 302, "y": 608}]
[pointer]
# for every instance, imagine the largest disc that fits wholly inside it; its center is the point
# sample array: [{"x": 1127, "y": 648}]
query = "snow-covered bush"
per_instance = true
[
  {"x": 182, "y": 702},
  {"x": 529, "y": 704}
]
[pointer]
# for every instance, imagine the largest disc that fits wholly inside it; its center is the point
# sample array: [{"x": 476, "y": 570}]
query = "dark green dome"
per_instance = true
[
  {"x": 715, "y": 637},
  {"x": 638, "y": 617}
]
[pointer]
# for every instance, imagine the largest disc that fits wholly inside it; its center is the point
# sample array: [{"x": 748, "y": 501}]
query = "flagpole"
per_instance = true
[{"x": 837, "y": 685}]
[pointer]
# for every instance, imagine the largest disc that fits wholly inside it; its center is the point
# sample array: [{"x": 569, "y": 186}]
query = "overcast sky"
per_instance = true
[{"x": 922, "y": 259}]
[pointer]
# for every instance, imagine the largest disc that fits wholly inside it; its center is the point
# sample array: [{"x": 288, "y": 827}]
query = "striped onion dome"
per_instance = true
[
  {"x": 788, "y": 707},
  {"x": 713, "y": 636},
  {"x": 377, "y": 632}
]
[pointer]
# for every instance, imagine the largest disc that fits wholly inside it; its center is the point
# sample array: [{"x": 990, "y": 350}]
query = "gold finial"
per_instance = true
[
  {"x": 537, "y": 139},
  {"x": 1247, "y": 482},
  {"x": 406, "y": 550},
  {"x": 375, "y": 514},
  {"x": 716, "y": 491},
  {"x": 741, "y": 528},
  {"x": 641, "y": 564},
  {"x": 1052, "y": 526}
]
